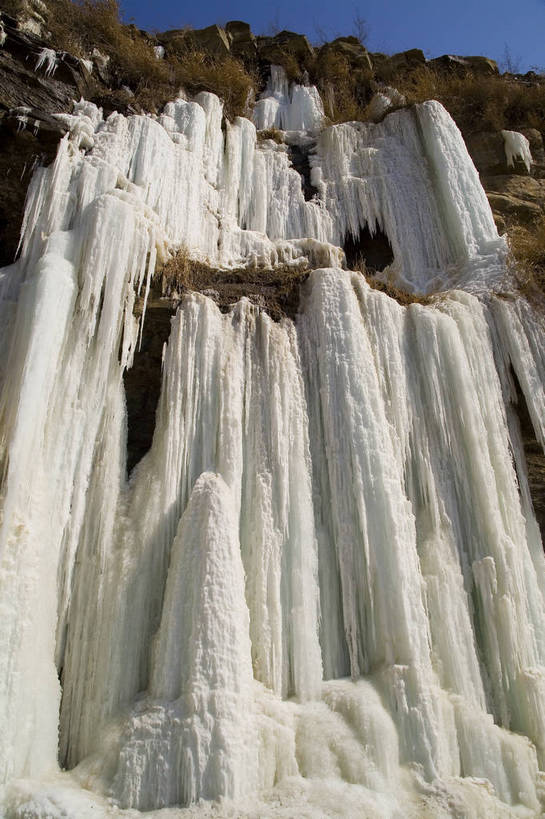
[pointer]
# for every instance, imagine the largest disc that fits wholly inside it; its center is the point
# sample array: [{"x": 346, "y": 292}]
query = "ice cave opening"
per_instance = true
[{"x": 368, "y": 250}]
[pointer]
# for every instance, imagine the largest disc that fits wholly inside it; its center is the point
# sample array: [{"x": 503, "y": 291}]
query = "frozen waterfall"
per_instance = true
[{"x": 322, "y": 590}]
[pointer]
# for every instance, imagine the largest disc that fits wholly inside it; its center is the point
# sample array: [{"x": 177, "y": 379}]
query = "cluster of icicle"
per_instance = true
[{"x": 322, "y": 592}]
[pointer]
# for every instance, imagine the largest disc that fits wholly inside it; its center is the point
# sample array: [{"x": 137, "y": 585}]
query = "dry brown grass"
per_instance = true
[
  {"x": 11, "y": 7},
  {"x": 276, "y": 291},
  {"x": 344, "y": 90},
  {"x": 401, "y": 296},
  {"x": 182, "y": 273},
  {"x": 271, "y": 133},
  {"x": 225, "y": 76},
  {"x": 79, "y": 27},
  {"x": 527, "y": 250},
  {"x": 476, "y": 102}
]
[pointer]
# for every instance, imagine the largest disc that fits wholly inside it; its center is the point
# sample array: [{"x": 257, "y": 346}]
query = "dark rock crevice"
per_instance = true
[
  {"x": 29, "y": 130},
  {"x": 300, "y": 161},
  {"x": 275, "y": 291},
  {"x": 143, "y": 380},
  {"x": 533, "y": 454}
]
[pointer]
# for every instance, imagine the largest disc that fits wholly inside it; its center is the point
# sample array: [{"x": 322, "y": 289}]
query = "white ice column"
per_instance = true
[
  {"x": 366, "y": 526},
  {"x": 193, "y": 737},
  {"x": 64, "y": 359}
]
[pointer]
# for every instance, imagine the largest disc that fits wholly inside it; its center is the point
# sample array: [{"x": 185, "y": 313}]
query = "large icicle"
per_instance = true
[
  {"x": 193, "y": 738},
  {"x": 74, "y": 316}
]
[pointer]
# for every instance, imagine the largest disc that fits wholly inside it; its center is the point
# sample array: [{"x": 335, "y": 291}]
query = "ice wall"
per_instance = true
[
  {"x": 322, "y": 589},
  {"x": 235, "y": 200}
]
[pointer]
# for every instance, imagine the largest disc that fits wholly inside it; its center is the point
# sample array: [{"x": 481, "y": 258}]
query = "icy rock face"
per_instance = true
[{"x": 322, "y": 590}]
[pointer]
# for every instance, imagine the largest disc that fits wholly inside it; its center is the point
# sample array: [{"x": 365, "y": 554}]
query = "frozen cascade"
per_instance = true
[
  {"x": 322, "y": 591},
  {"x": 295, "y": 108}
]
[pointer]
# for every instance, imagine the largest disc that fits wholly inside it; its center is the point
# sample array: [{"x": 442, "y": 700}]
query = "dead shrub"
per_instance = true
[
  {"x": 527, "y": 251},
  {"x": 79, "y": 27},
  {"x": 271, "y": 133},
  {"x": 476, "y": 102},
  {"x": 401, "y": 296},
  {"x": 275, "y": 290},
  {"x": 377, "y": 283},
  {"x": 12, "y": 7},
  {"x": 225, "y": 76},
  {"x": 344, "y": 90}
]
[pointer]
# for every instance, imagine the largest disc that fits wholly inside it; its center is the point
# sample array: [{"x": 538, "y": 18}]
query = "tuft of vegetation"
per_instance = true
[
  {"x": 527, "y": 250},
  {"x": 226, "y": 76},
  {"x": 81, "y": 27},
  {"x": 345, "y": 91},
  {"x": 276, "y": 290},
  {"x": 271, "y": 133},
  {"x": 12, "y": 7},
  {"x": 477, "y": 102},
  {"x": 401, "y": 296}
]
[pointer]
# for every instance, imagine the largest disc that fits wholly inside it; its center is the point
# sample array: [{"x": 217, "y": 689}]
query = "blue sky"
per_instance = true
[{"x": 463, "y": 27}]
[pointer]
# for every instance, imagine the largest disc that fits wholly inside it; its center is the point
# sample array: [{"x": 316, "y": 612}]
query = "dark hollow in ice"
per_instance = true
[{"x": 370, "y": 249}]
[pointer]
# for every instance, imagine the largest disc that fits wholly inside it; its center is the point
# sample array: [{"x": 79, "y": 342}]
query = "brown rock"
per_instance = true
[
  {"x": 513, "y": 209},
  {"x": 482, "y": 65},
  {"x": 272, "y": 49},
  {"x": 387, "y": 69},
  {"x": 378, "y": 58},
  {"x": 454, "y": 62},
  {"x": 524, "y": 188},
  {"x": 213, "y": 40},
  {"x": 406, "y": 60},
  {"x": 243, "y": 42},
  {"x": 350, "y": 48},
  {"x": 487, "y": 149},
  {"x": 499, "y": 221},
  {"x": 238, "y": 30}
]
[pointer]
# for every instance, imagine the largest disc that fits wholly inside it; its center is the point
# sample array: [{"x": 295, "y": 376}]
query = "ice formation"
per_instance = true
[
  {"x": 517, "y": 146},
  {"x": 321, "y": 592},
  {"x": 288, "y": 107},
  {"x": 48, "y": 59}
]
